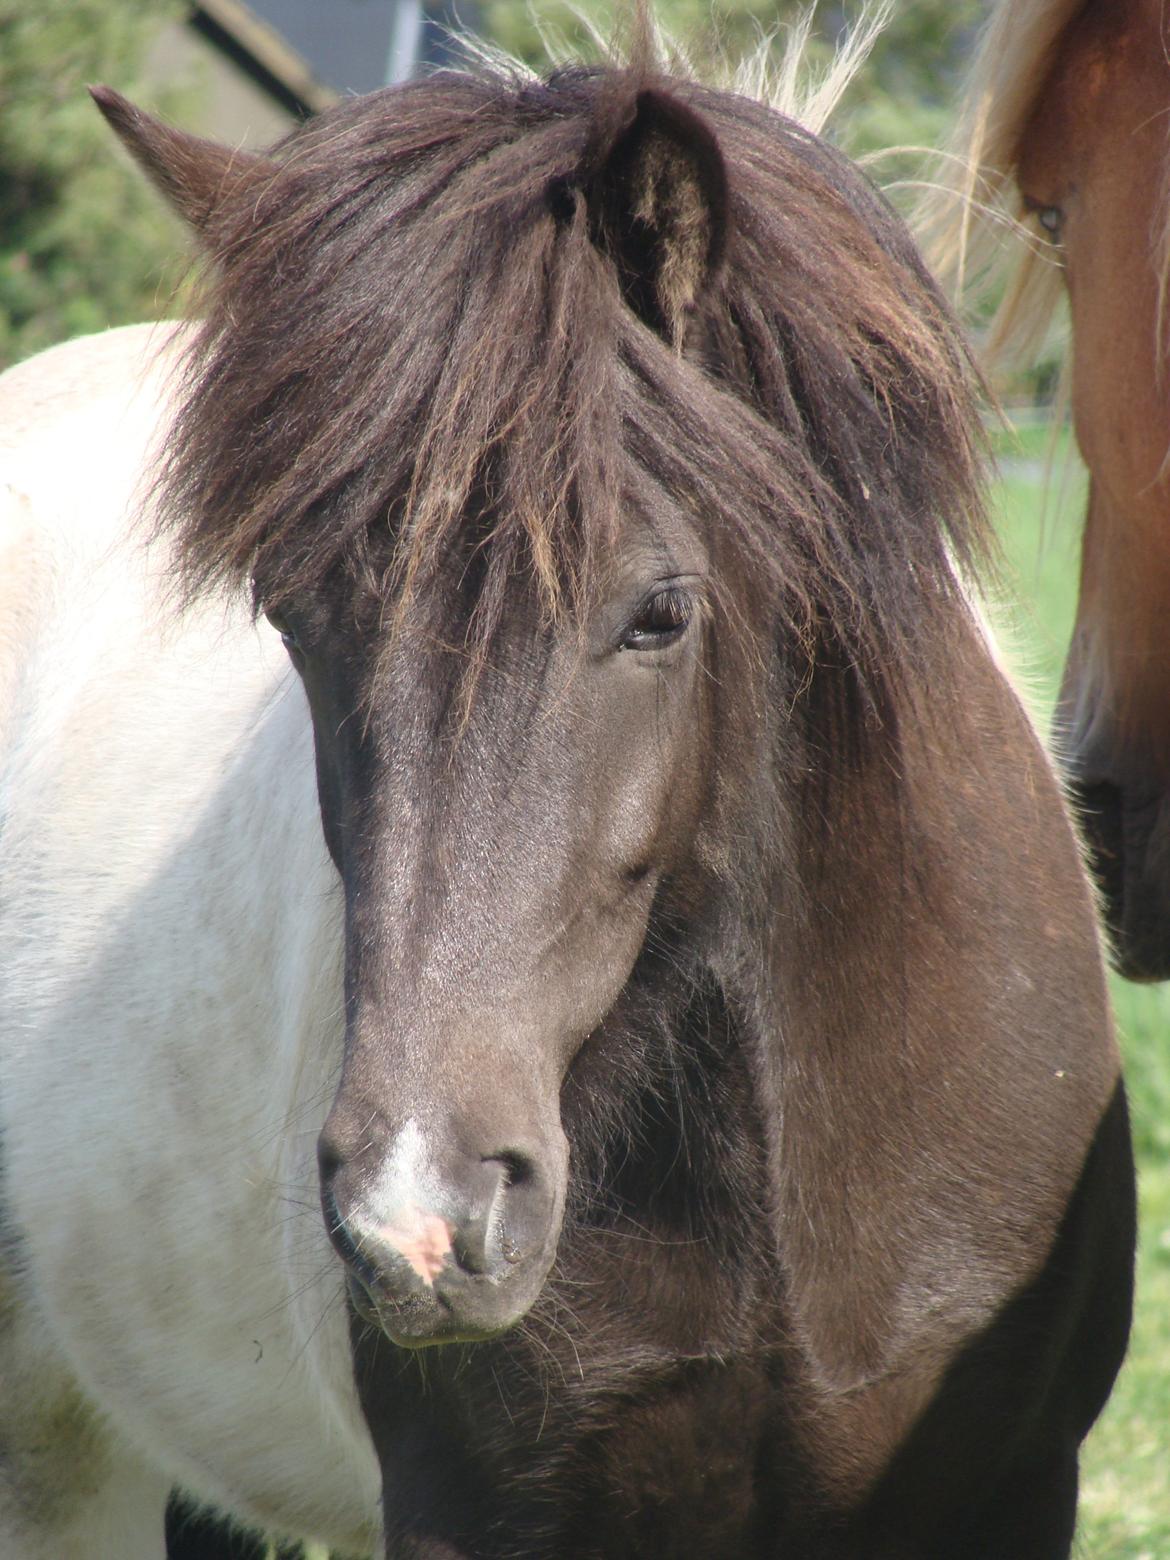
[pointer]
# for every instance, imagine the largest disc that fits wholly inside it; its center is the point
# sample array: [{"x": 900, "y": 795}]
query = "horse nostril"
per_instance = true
[
  {"x": 345, "y": 1241},
  {"x": 342, "y": 1237},
  {"x": 328, "y": 1159},
  {"x": 518, "y": 1168},
  {"x": 501, "y": 1225}
]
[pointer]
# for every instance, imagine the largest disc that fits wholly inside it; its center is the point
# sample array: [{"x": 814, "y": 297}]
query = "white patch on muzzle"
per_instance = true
[{"x": 397, "y": 1213}]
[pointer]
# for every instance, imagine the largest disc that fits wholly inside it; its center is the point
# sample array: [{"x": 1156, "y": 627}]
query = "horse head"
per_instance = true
[
  {"x": 1069, "y": 104},
  {"x": 513, "y": 735}
]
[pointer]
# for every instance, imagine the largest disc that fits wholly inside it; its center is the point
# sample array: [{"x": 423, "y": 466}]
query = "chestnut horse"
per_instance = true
[
  {"x": 1066, "y": 125},
  {"x": 597, "y": 1047}
]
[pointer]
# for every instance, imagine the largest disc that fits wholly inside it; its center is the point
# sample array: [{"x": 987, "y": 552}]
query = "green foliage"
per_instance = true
[{"x": 83, "y": 242}]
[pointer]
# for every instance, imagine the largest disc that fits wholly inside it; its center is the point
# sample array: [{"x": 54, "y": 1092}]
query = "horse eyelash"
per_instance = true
[{"x": 669, "y": 601}]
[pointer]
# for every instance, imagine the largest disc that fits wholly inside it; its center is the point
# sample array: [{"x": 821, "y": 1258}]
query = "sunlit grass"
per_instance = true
[{"x": 1125, "y": 1503}]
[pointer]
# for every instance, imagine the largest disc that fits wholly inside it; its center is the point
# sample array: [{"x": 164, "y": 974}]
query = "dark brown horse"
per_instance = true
[
  {"x": 1066, "y": 126},
  {"x": 727, "y": 1154}
]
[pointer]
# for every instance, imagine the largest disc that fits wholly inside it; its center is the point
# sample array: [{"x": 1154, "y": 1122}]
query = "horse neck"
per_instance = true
[{"x": 913, "y": 976}]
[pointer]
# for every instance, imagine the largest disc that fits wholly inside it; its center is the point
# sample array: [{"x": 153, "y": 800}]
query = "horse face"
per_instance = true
[
  {"x": 500, "y": 856},
  {"x": 500, "y": 853},
  {"x": 1091, "y": 169}
]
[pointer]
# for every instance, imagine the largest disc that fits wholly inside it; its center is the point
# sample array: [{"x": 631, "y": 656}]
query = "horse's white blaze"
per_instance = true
[
  {"x": 170, "y": 1002},
  {"x": 407, "y": 1176},
  {"x": 403, "y": 1208}
]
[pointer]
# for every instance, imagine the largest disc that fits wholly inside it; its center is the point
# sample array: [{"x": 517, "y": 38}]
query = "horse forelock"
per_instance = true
[{"x": 415, "y": 351}]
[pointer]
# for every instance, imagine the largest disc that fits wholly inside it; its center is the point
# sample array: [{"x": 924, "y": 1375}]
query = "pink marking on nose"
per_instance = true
[{"x": 424, "y": 1239}]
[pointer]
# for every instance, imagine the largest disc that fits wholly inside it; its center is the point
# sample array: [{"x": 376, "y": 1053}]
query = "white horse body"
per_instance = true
[{"x": 170, "y": 1018}]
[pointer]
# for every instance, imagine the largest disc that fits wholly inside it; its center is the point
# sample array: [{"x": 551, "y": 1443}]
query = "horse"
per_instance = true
[
  {"x": 551, "y": 1006},
  {"x": 1064, "y": 125}
]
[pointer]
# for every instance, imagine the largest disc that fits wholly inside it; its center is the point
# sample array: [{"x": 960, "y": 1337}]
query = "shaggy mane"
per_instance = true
[{"x": 414, "y": 352}]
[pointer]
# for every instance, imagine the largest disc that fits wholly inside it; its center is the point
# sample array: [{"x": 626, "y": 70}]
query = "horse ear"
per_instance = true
[
  {"x": 658, "y": 205},
  {"x": 193, "y": 174}
]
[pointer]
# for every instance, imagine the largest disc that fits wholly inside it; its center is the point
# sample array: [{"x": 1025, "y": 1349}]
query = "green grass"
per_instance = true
[{"x": 1125, "y": 1504}]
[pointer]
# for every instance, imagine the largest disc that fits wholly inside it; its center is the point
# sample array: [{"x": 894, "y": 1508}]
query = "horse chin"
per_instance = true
[
  {"x": 429, "y": 1317},
  {"x": 1127, "y": 829}
]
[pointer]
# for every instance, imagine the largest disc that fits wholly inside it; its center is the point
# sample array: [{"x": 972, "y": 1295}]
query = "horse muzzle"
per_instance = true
[
  {"x": 1127, "y": 829},
  {"x": 441, "y": 1245}
]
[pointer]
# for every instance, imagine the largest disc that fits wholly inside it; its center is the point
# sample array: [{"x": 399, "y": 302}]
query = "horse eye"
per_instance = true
[
  {"x": 287, "y": 634},
  {"x": 660, "y": 619},
  {"x": 1051, "y": 219}
]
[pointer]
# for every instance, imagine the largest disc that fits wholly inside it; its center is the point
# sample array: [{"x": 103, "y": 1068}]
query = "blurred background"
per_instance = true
[{"x": 84, "y": 244}]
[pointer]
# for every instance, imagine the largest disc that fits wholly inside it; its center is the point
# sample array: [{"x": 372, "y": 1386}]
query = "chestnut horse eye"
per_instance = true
[
  {"x": 1051, "y": 219},
  {"x": 660, "y": 619}
]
